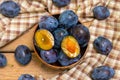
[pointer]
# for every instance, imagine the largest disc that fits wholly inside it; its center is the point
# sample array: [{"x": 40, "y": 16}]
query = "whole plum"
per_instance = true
[
  {"x": 26, "y": 77},
  {"x": 68, "y": 19},
  {"x": 3, "y": 60},
  {"x": 9, "y": 9},
  {"x": 23, "y": 54},
  {"x": 81, "y": 33},
  {"x": 101, "y": 12},
  {"x": 102, "y": 45},
  {"x": 61, "y": 3},
  {"x": 49, "y": 56},
  {"x": 48, "y": 22},
  {"x": 64, "y": 60},
  {"x": 59, "y": 34},
  {"x": 102, "y": 73}
]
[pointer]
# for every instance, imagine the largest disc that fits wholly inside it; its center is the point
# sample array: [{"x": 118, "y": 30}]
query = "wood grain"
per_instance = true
[
  {"x": 25, "y": 39},
  {"x": 13, "y": 69}
]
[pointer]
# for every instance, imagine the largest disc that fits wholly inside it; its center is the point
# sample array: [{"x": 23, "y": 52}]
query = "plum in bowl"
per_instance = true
[{"x": 60, "y": 41}]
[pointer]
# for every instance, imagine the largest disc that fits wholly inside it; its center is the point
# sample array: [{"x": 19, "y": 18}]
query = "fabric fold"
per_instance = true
[{"x": 30, "y": 14}]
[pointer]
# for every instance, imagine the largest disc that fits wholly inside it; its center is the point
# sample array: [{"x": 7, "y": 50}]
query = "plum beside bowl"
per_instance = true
[{"x": 57, "y": 64}]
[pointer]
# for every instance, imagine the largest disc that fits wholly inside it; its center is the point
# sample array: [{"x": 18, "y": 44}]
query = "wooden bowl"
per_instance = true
[{"x": 57, "y": 65}]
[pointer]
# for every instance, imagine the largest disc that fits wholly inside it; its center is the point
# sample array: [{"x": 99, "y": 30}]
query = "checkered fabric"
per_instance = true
[
  {"x": 11, "y": 28},
  {"x": 32, "y": 10},
  {"x": 83, "y": 8}
]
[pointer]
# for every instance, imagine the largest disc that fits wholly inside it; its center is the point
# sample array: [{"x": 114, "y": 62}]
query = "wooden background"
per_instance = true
[{"x": 13, "y": 69}]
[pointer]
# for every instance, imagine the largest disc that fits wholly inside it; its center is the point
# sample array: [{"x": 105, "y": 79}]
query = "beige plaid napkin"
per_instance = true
[
  {"x": 109, "y": 28},
  {"x": 83, "y": 8},
  {"x": 32, "y": 10},
  {"x": 11, "y": 28}
]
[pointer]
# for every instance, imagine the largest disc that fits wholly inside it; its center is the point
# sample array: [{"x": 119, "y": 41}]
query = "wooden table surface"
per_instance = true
[{"x": 13, "y": 69}]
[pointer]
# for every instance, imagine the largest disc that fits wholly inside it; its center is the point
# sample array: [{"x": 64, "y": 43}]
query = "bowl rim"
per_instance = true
[{"x": 57, "y": 67}]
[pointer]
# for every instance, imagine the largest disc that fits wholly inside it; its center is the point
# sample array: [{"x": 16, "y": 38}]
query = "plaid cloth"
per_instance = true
[
  {"x": 31, "y": 10},
  {"x": 109, "y": 28},
  {"x": 83, "y": 8},
  {"x": 11, "y": 28}
]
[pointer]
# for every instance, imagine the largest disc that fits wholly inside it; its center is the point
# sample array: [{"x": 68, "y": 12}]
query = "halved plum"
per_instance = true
[
  {"x": 44, "y": 39},
  {"x": 70, "y": 46}
]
